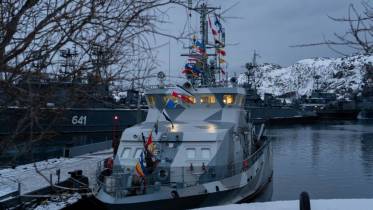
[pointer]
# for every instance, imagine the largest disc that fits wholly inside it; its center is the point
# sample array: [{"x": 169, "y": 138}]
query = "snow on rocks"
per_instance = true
[
  {"x": 339, "y": 75},
  {"x": 331, "y": 204}
]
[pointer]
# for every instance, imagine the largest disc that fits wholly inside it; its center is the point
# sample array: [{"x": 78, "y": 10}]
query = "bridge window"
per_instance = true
[
  {"x": 138, "y": 152},
  {"x": 192, "y": 98},
  {"x": 191, "y": 153},
  {"x": 208, "y": 99},
  {"x": 126, "y": 153},
  {"x": 228, "y": 99},
  {"x": 206, "y": 153}
]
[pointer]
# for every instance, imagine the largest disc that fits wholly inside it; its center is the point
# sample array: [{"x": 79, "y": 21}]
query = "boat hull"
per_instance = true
[
  {"x": 367, "y": 114},
  {"x": 279, "y": 115},
  {"x": 245, "y": 185},
  {"x": 343, "y": 114}
]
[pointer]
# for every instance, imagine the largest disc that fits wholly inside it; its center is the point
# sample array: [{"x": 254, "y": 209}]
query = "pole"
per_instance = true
[
  {"x": 116, "y": 129},
  {"x": 169, "y": 62}
]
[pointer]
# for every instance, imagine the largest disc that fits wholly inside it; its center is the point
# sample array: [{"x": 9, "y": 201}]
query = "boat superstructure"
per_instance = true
[
  {"x": 197, "y": 147},
  {"x": 326, "y": 105},
  {"x": 210, "y": 152}
]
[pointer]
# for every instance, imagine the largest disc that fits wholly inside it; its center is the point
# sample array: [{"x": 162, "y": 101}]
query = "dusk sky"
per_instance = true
[{"x": 268, "y": 26}]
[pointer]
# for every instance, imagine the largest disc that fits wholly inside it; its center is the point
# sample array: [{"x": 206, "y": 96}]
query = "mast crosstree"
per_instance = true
[{"x": 208, "y": 71}]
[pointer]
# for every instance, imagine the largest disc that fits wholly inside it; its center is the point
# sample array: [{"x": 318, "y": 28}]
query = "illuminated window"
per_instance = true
[
  {"x": 192, "y": 98},
  {"x": 138, "y": 152},
  {"x": 126, "y": 153},
  {"x": 206, "y": 153},
  {"x": 228, "y": 99},
  {"x": 208, "y": 99},
  {"x": 191, "y": 153},
  {"x": 151, "y": 101}
]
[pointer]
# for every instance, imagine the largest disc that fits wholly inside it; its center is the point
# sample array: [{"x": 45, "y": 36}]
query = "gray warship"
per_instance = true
[
  {"x": 272, "y": 109},
  {"x": 327, "y": 106},
  {"x": 197, "y": 147},
  {"x": 82, "y": 109}
]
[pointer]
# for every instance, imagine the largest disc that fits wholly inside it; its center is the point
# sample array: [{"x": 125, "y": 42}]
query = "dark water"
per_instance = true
[
  {"x": 331, "y": 159},
  {"x": 24, "y": 152},
  {"x": 328, "y": 160}
]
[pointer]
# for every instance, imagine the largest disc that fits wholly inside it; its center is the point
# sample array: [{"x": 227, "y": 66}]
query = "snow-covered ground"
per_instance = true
[
  {"x": 332, "y": 204},
  {"x": 339, "y": 75},
  {"x": 30, "y": 180},
  {"x": 59, "y": 202}
]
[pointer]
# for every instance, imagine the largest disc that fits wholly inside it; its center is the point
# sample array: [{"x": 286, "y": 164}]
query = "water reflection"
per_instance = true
[
  {"x": 315, "y": 149},
  {"x": 329, "y": 160},
  {"x": 367, "y": 154}
]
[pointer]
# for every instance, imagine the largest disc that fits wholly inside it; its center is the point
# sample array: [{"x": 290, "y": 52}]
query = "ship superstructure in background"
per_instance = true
[
  {"x": 366, "y": 100},
  {"x": 80, "y": 110},
  {"x": 326, "y": 105},
  {"x": 272, "y": 109},
  {"x": 197, "y": 146}
]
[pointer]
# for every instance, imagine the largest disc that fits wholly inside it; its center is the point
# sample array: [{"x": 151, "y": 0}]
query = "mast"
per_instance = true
[
  {"x": 251, "y": 67},
  {"x": 254, "y": 59},
  {"x": 208, "y": 76},
  {"x": 68, "y": 63}
]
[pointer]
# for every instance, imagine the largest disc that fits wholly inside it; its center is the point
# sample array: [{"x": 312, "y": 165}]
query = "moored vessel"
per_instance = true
[{"x": 197, "y": 147}]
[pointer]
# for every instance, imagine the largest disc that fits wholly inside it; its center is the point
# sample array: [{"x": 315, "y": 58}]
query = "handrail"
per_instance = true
[{"x": 117, "y": 183}]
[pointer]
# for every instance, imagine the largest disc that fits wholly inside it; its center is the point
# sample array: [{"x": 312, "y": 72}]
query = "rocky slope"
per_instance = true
[{"x": 340, "y": 75}]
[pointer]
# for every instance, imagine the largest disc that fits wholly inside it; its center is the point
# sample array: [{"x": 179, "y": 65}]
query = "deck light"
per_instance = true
[{"x": 211, "y": 128}]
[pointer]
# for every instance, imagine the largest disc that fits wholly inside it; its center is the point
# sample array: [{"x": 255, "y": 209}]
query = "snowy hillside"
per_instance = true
[{"x": 339, "y": 75}]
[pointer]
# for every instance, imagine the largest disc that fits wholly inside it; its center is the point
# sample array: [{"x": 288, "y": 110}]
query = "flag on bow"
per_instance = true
[
  {"x": 167, "y": 118},
  {"x": 170, "y": 104},
  {"x": 140, "y": 168},
  {"x": 149, "y": 141},
  {"x": 150, "y": 148},
  {"x": 156, "y": 128}
]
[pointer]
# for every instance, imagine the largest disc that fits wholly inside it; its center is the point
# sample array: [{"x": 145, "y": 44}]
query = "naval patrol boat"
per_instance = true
[{"x": 197, "y": 147}]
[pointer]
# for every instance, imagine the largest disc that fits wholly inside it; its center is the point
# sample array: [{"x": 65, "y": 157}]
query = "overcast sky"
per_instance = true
[{"x": 268, "y": 26}]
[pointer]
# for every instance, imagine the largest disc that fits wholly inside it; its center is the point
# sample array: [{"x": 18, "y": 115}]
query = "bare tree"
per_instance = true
[
  {"x": 359, "y": 35},
  {"x": 103, "y": 40}
]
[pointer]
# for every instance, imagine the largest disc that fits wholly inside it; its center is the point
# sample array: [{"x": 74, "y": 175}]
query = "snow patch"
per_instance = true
[
  {"x": 59, "y": 202},
  {"x": 30, "y": 180},
  {"x": 332, "y": 204},
  {"x": 340, "y": 75}
]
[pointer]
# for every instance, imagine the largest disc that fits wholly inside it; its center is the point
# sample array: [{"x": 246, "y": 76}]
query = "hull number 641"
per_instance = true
[{"x": 79, "y": 120}]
